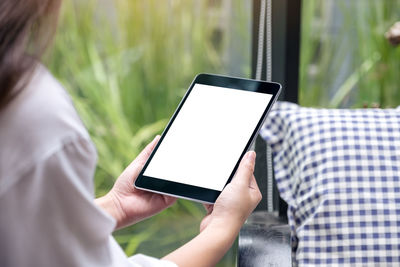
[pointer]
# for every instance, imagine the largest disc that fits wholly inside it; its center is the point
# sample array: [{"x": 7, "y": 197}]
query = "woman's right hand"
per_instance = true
[
  {"x": 238, "y": 199},
  {"x": 223, "y": 221}
]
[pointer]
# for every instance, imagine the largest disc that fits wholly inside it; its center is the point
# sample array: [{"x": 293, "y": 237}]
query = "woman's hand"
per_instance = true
[
  {"x": 238, "y": 199},
  {"x": 222, "y": 224},
  {"x": 129, "y": 205}
]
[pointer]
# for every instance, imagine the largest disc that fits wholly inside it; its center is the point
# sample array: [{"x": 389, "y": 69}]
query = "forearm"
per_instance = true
[{"x": 207, "y": 248}]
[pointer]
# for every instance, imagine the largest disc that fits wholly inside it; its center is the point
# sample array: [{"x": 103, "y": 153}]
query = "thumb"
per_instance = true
[
  {"x": 145, "y": 154},
  {"x": 133, "y": 170},
  {"x": 245, "y": 171}
]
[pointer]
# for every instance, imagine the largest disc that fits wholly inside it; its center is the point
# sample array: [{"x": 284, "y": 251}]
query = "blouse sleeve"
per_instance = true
[{"x": 52, "y": 219}]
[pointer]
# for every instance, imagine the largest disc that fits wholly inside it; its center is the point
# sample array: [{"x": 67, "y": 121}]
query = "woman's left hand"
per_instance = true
[{"x": 129, "y": 205}]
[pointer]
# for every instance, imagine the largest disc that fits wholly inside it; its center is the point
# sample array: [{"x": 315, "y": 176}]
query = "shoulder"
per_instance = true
[
  {"x": 38, "y": 121},
  {"x": 44, "y": 107}
]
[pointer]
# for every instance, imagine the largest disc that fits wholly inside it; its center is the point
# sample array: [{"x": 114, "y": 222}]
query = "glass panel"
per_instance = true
[
  {"x": 346, "y": 61},
  {"x": 127, "y": 64}
]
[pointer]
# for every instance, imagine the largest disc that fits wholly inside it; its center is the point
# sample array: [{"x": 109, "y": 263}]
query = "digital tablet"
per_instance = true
[{"x": 213, "y": 127}]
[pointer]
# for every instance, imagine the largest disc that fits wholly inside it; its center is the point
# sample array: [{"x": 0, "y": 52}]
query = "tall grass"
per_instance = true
[
  {"x": 126, "y": 65},
  {"x": 345, "y": 58}
]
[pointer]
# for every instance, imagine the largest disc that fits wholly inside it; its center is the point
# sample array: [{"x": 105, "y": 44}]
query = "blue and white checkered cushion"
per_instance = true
[{"x": 339, "y": 172}]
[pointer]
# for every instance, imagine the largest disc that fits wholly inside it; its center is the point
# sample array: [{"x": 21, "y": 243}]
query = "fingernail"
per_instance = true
[{"x": 251, "y": 156}]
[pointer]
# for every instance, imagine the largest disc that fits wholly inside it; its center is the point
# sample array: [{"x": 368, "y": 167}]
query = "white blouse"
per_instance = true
[{"x": 47, "y": 162}]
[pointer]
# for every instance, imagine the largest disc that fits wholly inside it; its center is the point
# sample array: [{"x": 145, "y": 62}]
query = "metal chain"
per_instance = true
[{"x": 265, "y": 26}]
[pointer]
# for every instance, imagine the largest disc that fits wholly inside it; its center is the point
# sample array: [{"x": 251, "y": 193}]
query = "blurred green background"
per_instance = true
[
  {"x": 127, "y": 63},
  {"x": 345, "y": 58}
]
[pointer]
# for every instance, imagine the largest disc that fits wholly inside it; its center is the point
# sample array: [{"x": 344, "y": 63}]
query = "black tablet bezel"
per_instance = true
[{"x": 196, "y": 193}]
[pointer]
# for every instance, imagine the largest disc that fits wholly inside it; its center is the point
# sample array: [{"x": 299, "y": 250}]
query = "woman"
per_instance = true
[{"x": 47, "y": 161}]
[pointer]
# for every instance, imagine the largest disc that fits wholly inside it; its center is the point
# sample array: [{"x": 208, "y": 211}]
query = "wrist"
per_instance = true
[
  {"x": 231, "y": 224},
  {"x": 227, "y": 229},
  {"x": 111, "y": 205}
]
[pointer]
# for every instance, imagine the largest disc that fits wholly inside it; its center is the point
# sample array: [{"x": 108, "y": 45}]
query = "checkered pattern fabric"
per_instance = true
[{"x": 339, "y": 172}]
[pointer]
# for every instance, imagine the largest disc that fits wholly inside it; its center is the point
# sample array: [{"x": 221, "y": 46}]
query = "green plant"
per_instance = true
[
  {"x": 372, "y": 20},
  {"x": 345, "y": 58}
]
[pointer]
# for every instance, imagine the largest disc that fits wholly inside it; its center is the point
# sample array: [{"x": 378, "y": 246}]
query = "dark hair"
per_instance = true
[{"x": 26, "y": 29}]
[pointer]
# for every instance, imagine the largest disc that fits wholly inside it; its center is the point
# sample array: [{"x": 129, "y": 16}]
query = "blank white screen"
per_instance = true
[{"x": 208, "y": 136}]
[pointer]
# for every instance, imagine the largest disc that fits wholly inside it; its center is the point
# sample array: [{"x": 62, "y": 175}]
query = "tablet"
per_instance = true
[{"x": 213, "y": 127}]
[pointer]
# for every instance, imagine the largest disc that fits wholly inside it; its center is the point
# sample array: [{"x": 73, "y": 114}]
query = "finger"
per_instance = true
[
  {"x": 133, "y": 170},
  {"x": 253, "y": 183},
  {"x": 256, "y": 193},
  {"x": 169, "y": 200},
  {"x": 145, "y": 154},
  {"x": 208, "y": 207},
  {"x": 246, "y": 168},
  {"x": 204, "y": 222}
]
